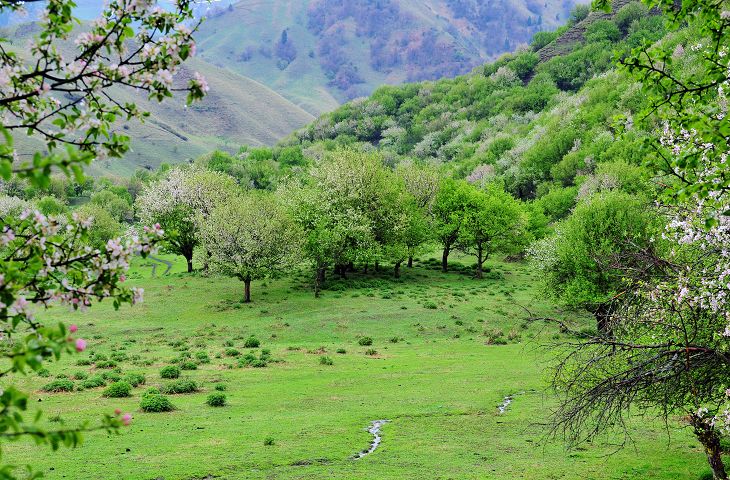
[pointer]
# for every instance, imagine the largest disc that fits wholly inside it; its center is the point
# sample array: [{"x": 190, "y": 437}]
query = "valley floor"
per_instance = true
[{"x": 433, "y": 376}]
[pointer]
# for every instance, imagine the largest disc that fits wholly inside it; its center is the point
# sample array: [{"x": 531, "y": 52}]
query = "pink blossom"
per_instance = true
[
  {"x": 127, "y": 419},
  {"x": 117, "y": 411},
  {"x": 80, "y": 345},
  {"x": 73, "y": 328}
]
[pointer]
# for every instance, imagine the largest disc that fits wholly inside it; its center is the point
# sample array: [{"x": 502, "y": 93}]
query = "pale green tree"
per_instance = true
[
  {"x": 250, "y": 237},
  {"x": 493, "y": 222}
]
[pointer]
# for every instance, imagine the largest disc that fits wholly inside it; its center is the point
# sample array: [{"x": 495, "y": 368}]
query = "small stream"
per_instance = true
[
  {"x": 502, "y": 407},
  {"x": 374, "y": 430}
]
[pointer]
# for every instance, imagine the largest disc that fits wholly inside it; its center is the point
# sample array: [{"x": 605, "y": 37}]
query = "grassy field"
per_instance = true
[{"x": 437, "y": 372}]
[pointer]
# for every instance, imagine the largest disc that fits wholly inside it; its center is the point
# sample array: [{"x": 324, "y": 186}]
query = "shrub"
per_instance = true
[
  {"x": 106, "y": 364},
  {"x": 216, "y": 399},
  {"x": 365, "y": 341},
  {"x": 94, "y": 381},
  {"x": 630, "y": 13},
  {"x": 269, "y": 441},
  {"x": 603, "y": 31},
  {"x": 119, "y": 357},
  {"x": 246, "y": 360},
  {"x": 44, "y": 372},
  {"x": 541, "y": 39},
  {"x": 221, "y": 387},
  {"x": 151, "y": 391},
  {"x": 83, "y": 362},
  {"x": 252, "y": 342},
  {"x": 202, "y": 357},
  {"x": 341, "y": 351},
  {"x": 258, "y": 363},
  {"x": 135, "y": 379},
  {"x": 118, "y": 390},
  {"x": 154, "y": 402},
  {"x": 324, "y": 360},
  {"x": 111, "y": 376},
  {"x": 61, "y": 385},
  {"x": 170, "y": 371},
  {"x": 180, "y": 386},
  {"x": 430, "y": 305},
  {"x": 80, "y": 376},
  {"x": 371, "y": 352},
  {"x": 189, "y": 365},
  {"x": 232, "y": 352}
]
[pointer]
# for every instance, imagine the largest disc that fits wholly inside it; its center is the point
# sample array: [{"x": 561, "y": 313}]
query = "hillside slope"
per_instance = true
[
  {"x": 320, "y": 52},
  {"x": 546, "y": 128},
  {"x": 238, "y": 110}
]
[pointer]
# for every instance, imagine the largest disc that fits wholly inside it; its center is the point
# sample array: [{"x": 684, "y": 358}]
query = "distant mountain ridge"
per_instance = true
[{"x": 319, "y": 53}]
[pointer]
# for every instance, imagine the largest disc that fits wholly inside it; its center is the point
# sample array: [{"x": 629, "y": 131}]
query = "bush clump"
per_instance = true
[
  {"x": 216, "y": 399},
  {"x": 325, "y": 360},
  {"x": 232, "y": 352},
  {"x": 189, "y": 365},
  {"x": 111, "y": 376},
  {"x": 170, "y": 371},
  {"x": 221, "y": 387},
  {"x": 252, "y": 342},
  {"x": 106, "y": 364},
  {"x": 202, "y": 357},
  {"x": 94, "y": 381},
  {"x": 365, "y": 341},
  {"x": 155, "y": 402},
  {"x": 180, "y": 386},
  {"x": 118, "y": 390},
  {"x": 135, "y": 379},
  {"x": 61, "y": 385}
]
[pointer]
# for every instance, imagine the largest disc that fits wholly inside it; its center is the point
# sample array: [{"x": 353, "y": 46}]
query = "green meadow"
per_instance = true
[{"x": 446, "y": 350}]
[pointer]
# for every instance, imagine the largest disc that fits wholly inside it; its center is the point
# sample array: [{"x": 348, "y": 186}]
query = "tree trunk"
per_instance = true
[
  {"x": 445, "y": 259},
  {"x": 319, "y": 281},
  {"x": 396, "y": 269},
  {"x": 711, "y": 442},
  {"x": 603, "y": 318},
  {"x": 377, "y": 266},
  {"x": 365, "y": 270},
  {"x": 190, "y": 264},
  {"x": 247, "y": 290},
  {"x": 410, "y": 261},
  {"x": 342, "y": 271},
  {"x": 480, "y": 262},
  {"x": 206, "y": 262}
]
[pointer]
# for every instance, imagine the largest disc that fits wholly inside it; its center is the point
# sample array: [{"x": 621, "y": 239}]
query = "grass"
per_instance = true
[{"x": 301, "y": 418}]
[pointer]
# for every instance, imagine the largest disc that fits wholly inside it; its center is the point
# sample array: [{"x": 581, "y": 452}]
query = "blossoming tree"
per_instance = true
[
  {"x": 250, "y": 238},
  {"x": 59, "y": 92},
  {"x": 181, "y": 202},
  {"x": 669, "y": 347}
]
